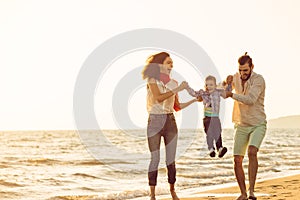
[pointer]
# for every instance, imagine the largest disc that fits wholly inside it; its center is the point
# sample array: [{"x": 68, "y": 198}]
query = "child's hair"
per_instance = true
[
  {"x": 229, "y": 76},
  {"x": 211, "y": 78}
]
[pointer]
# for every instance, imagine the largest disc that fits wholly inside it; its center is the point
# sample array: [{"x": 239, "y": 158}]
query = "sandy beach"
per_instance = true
[{"x": 286, "y": 188}]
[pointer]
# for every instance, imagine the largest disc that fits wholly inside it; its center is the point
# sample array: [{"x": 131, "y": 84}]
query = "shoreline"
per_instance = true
[
  {"x": 263, "y": 177},
  {"x": 279, "y": 187}
]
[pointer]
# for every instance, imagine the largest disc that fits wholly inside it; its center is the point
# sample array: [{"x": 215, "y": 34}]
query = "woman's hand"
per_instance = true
[{"x": 183, "y": 85}]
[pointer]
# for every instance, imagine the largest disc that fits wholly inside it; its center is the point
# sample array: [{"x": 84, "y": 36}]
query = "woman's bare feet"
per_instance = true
[{"x": 174, "y": 195}]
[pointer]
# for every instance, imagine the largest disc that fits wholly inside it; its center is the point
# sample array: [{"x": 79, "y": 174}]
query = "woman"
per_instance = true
[{"x": 161, "y": 100}]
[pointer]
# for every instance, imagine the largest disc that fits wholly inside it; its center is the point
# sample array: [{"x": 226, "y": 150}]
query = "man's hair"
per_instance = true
[
  {"x": 245, "y": 59},
  {"x": 211, "y": 78}
]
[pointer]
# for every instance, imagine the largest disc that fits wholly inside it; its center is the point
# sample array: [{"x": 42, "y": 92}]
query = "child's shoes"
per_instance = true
[
  {"x": 212, "y": 153},
  {"x": 222, "y": 151}
]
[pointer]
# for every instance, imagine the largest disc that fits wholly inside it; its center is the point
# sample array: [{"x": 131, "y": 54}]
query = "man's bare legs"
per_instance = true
[
  {"x": 252, "y": 168},
  {"x": 240, "y": 176},
  {"x": 252, "y": 172}
]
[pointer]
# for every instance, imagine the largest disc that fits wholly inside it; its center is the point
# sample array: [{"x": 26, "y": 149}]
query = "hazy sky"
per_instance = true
[{"x": 43, "y": 45}]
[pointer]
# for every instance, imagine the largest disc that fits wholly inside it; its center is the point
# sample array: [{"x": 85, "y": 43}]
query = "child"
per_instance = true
[
  {"x": 227, "y": 85},
  {"x": 211, "y": 121}
]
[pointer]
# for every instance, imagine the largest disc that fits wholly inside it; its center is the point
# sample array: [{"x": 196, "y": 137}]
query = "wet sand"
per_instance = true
[
  {"x": 284, "y": 188},
  {"x": 287, "y": 188}
]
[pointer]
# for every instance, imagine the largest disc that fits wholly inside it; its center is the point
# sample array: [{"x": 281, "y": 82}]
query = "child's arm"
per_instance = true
[
  {"x": 192, "y": 92},
  {"x": 222, "y": 93}
]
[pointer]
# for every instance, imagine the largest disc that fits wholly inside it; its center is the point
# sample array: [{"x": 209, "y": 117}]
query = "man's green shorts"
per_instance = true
[{"x": 248, "y": 135}]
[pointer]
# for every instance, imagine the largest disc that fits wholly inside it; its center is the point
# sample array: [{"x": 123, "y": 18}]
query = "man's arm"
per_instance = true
[{"x": 253, "y": 94}]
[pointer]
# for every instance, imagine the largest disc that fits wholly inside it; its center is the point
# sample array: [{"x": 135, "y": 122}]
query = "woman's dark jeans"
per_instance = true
[{"x": 162, "y": 125}]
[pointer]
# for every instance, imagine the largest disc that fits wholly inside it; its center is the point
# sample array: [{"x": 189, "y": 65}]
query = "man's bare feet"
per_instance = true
[
  {"x": 251, "y": 195},
  {"x": 152, "y": 198},
  {"x": 242, "y": 197}
]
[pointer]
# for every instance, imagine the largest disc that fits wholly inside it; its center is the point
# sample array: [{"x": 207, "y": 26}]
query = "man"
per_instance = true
[{"x": 250, "y": 122}]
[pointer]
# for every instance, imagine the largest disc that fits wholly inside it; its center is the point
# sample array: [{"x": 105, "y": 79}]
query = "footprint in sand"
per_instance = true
[{"x": 277, "y": 186}]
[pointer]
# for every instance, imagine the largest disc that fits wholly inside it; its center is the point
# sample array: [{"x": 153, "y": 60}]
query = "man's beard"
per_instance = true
[{"x": 248, "y": 76}]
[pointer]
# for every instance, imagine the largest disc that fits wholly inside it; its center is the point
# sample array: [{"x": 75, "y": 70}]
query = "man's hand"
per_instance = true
[
  {"x": 199, "y": 98},
  {"x": 229, "y": 94}
]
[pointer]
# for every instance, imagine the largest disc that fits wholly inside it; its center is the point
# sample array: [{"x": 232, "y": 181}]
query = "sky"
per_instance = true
[{"x": 43, "y": 45}]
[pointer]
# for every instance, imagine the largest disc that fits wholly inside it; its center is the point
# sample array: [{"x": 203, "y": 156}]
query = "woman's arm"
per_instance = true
[
  {"x": 163, "y": 96},
  {"x": 186, "y": 104}
]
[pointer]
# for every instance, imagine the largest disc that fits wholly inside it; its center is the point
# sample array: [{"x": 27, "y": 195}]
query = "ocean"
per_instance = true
[{"x": 112, "y": 164}]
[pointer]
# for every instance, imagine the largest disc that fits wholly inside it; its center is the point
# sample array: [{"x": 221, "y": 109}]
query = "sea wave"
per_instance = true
[{"x": 34, "y": 164}]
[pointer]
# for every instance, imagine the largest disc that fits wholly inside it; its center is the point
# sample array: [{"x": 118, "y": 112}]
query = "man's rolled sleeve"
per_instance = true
[{"x": 255, "y": 90}]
